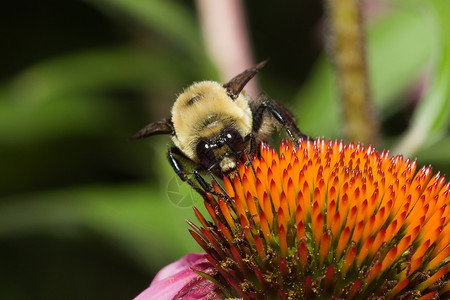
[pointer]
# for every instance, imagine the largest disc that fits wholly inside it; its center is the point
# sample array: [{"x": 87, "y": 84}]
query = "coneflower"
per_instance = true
[{"x": 327, "y": 221}]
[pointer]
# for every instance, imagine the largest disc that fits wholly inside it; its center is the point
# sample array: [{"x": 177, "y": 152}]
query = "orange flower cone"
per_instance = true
[{"x": 329, "y": 221}]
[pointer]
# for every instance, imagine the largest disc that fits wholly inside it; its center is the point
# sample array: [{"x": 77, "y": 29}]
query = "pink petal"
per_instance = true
[{"x": 178, "y": 281}]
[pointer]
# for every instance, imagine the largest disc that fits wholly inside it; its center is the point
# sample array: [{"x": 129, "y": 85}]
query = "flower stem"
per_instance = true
[{"x": 346, "y": 45}]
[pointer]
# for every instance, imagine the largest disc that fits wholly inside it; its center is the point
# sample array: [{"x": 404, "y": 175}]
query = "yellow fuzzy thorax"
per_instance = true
[{"x": 200, "y": 111}]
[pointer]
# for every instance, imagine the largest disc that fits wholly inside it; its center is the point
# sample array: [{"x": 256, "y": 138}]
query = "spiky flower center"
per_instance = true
[{"x": 329, "y": 220}]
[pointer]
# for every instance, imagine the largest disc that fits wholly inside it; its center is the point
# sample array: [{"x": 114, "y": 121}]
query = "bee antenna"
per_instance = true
[
  {"x": 163, "y": 126},
  {"x": 237, "y": 83}
]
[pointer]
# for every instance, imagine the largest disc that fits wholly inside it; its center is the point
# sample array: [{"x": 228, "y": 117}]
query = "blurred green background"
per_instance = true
[{"x": 84, "y": 211}]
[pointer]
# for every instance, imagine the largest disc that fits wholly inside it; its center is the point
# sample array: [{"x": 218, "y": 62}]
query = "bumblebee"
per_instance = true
[{"x": 215, "y": 126}]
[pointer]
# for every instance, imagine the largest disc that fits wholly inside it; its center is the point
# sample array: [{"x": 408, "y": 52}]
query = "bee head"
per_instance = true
[
  {"x": 210, "y": 121},
  {"x": 222, "y": 151},
  {"x": 206, "y": 113}
]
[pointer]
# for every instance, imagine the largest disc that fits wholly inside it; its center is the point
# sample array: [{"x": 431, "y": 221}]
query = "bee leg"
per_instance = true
[
  {"x": 208, "y": 187},
  {"x": 222, "y": 190},
  {"x": 281, "y": 115},
  {"x": 250, "y": 138},
  {"x": 205, "y": 186},
  {"x": 181, "y": 172}
]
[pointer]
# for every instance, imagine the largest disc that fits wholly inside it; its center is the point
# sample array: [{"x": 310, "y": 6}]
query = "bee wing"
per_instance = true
[
  {"x": 163, "y": 126},
  {"x": 237, "y": 83}
]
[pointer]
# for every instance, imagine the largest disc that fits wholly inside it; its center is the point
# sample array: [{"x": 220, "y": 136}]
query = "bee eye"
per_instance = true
[
  {"x": 205, "y": 153},
  {"x": 233, "y": 139}
]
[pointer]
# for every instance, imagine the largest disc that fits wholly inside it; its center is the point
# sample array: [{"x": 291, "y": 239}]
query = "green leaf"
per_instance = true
[
  {"x": 64, "y": 95},
  {"x": 170, "y": 18},
  {"x": 398, "y": 49},
  {"x": 437, "y": 155},
  {"x": 431, "y": 118},
  {"x": 91, "y": 70},
  {"x": 318, "y": 108},
  {"x": 138, "y": 219},
  {"x": 28, "y": 125}
]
